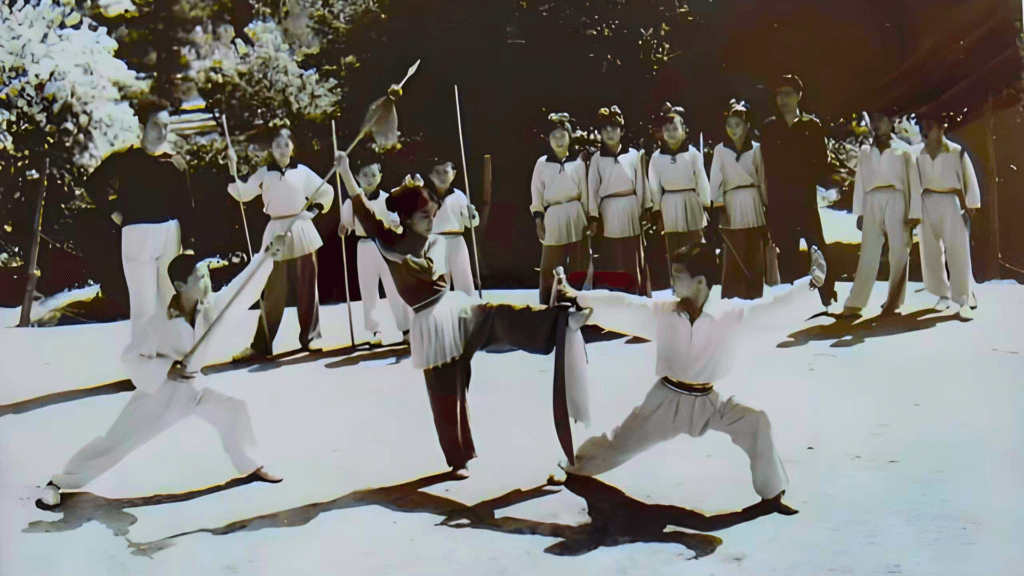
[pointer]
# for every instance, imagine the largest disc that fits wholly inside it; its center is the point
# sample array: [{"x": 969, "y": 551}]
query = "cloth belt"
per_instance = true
[
  {"x": 683, "y": 190},
  {"x": 688, "y": 388},
  {"x": 452, "y": 233},
  {"x": 740, "y": 188},
  {"x": 546, "y": 206},
  {"x": 284, "y": 217},
  {"x": 620, "y": 194}
]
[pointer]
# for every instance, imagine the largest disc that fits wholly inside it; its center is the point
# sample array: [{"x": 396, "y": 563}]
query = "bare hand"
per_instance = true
[
  {"x": 971, "y": 212},
  {"x": 179, "y": 162},
  {"x": 232, "y": 160},
  {"x": 179, "y": 373},
  {"x": 340, "y": 159},
  {"x": 567, "y": 294},
  {"x": 473, "y": 214},
  {"x": 117, "y": 218},
  {"x": 592, "y": 229},
  {"x": 342, "y": 230},
  {"x": 540, "y": 230},
  {"x": 276, "y": 247}
]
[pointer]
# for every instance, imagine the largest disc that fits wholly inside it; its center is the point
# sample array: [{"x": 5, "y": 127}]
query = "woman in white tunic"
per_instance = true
[
  {"x": 619, "y": 198},
  {"x": 949, "y": 197},
  {"x": 559, "y": 206},
  {"x": 448, "y": 327},
  {"x": 285, "y": 187},
  {"x": 679, "y": 184},
  {"x": 370, "y": 265},
  {"x": 737, "y": 186},
  {"x": 695, "y": 348},
  {"x": 883, "y": 197},
  {"x": 453, "y": 217}
]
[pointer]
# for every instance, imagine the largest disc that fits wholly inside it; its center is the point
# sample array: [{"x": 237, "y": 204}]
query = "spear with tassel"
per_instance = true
[{"x": 382, "y": 123}]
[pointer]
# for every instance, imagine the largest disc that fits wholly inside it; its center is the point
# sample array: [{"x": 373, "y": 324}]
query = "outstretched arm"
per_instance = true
[
  {"x": 373, "y": 226},
  {"x": 784, "y": 299},
  {"x": 249, "y": 189},
  {"x": 622, "y": 313}
]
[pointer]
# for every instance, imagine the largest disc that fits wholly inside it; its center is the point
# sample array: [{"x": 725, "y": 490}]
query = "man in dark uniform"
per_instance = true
[{"x": 795, "y": 162}]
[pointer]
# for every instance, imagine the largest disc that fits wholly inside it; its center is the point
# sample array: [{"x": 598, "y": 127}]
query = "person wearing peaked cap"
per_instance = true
[
  {"x": 166, "y": 391},
  {"x": 890, "y": 207},
  {"x": 696, "y": 348},
  {"x": 737, "y": 187},
  {"x": 559, "y": 205},
  {"x": 371, "y": 269},
  {"x": 619, "y": 198},
  {"x": 453, "y": 217},
  {"x": 679, "y": 187},
  {"x": 285, "y": 186},
  {"x": 949, "y": 196},
  {"x": 795, "y": 163},
  {"x": 448, "y": 326}
]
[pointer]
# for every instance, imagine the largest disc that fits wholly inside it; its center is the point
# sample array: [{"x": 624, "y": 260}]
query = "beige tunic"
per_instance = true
[
  {"x": 679, "y": 189},
  {"x": 738, "y": 184},
  {"x": 559, "y": 195},
  {"x": 610, "y": 175}
]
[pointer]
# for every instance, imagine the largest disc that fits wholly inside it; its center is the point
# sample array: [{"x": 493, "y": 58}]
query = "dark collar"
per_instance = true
[
  {"x": 563, "y": 161},
  {"x": 373, "y": 196},
  {"x": 623, "y": 149},
  {"x": 275, "y": 167},
  {"x": 176, "y": 310},
  {"x": 748, "y": 145}
]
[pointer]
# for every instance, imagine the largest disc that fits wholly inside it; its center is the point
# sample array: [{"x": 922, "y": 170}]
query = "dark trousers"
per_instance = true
[
  {"x": 618, "y": 263},
  {"x": 743, "y": 262},
  {"x": 678, "y": 240},
  {"x": 296, "y": 276},
  {"x": 527, "y": 328},
  {"x": 574, "y": 256},
  {"x": 793, "y": 265}
]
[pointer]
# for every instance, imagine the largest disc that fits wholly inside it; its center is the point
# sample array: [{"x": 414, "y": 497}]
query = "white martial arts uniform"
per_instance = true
[
  {"x": 158, "y": 402},
  {"x": 945, "y": 238},
  {"x": 451, "y": 221},
  {"x": 679, "y": 189},
  {"x": 559, "y": 195},
  {"x": 737, "y": 183},
  {"x": 371, "y": 268},
  {"x": 884, "y": 196},
  {"x": 618, "y": 192},
  {"x": 698, "y": 354},
  {"x": 284, "y": 194}
]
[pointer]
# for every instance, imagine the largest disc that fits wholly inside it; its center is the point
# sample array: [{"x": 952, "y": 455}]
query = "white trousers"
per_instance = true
[
  {"x": 372, "y": 270},
  {"x": 460, "y": 272},
  {"x": 148, "y": 414},
  {"x": 146, "y": 250},
  {"x": 944, "y": 240},
  {"x": 666, "y": 414},
  {"x": 884, "y": 216}
]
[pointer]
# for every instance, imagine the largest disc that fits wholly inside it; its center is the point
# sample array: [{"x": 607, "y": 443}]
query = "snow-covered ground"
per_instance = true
[{"x": 903, "y": 450}]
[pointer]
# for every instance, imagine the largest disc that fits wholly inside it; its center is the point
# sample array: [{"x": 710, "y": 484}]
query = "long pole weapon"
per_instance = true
[
  {"x": 374, "y": 113},
  {"x": 465, "y": 176},
  {"x": 245, "y": 223},
  {"x": 344, "y": 255}
]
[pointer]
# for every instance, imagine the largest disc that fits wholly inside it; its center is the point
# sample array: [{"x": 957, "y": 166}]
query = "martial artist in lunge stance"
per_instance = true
[
  {"x": 370, "y": 265},
  {"x": 151, "y": 202},
  {"x": 559, "y": 206},
  {"x": 949, "y": 197},
  {"x": 166, "y": 395},
  {"x": 679, "y": 187},
  {"x": 619, "y": 198},
  {"x": 694, "y": 349},
  {"x": 890, "y": 207},
  {"x": 285, "y": 187},
  {"x": 738, "y": 189},
  {"x": 449, "y": 326},
  {"x": 453, "y": 217},
  {"x": 795, "y": 162}
]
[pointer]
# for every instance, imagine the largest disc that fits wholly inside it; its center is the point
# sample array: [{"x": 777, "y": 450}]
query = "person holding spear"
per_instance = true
[
  {"x": 454, "y": 215},
  {"x": 289, "y": 190},
  {"x": 738, "y": 190},
  {"x": 370, "y": 265}
]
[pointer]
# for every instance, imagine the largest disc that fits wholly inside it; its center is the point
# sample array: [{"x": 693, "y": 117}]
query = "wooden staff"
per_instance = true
[
  {"x": 241, "y": 206},
  {"x": 344, "y": 256},
  {"x": 32, "y": 273},
  {"x": 465, "y": 176}
]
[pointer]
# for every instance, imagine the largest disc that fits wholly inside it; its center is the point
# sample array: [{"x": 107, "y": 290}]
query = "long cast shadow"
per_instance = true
[
  {"x": 852, "y": 331},
  {"x": 80, "y": 508},
  {"x": 616, "y": 519},
  {"x": 66, "y": 396}
]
